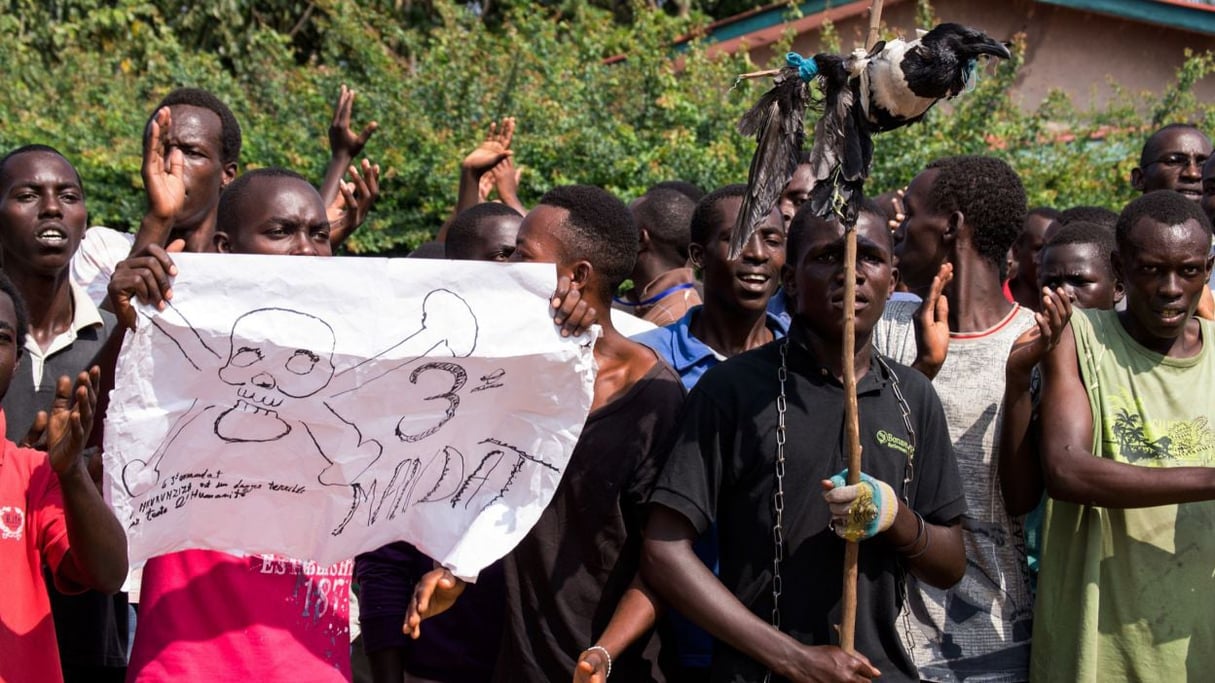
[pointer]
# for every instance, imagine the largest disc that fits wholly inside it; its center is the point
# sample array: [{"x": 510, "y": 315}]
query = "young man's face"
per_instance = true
[
  {"x": 1082, "y": 273},
  {"x": 814, "y": 278},
  {"x": 1029, "y": 245},
  {"x": 796, "y": 192},
  {"x": 920, "y": 239},
  {"x": 42, "y": 212},
  {"x": 8, "y": 342},
  {"x": 539, "y": 238},
  {"x": 1164, "y": 270},
  {"x": 496, "y": 237},
  {"x": 746, "y": 283},
  {"x": 283, "y": 216},
  {"x": 1175, "y": 158},
  {"x": 199, "y": 134}
]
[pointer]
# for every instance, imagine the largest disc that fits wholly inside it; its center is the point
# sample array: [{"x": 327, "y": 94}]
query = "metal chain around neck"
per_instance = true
[
  {"x": 905, "y": 408},
  {"x": 778, "y": 497}
]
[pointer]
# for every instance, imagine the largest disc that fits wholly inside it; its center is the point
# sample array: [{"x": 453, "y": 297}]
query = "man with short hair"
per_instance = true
[
  {"x": 486, "y": 232},
  {"x": 42, "y": 219},
  {"x": 733, "y": 319},
  {"x": 1172, "y": 159},
  {"x": 196, "y": 134},
  {"x": 206, "y": 615},
  {"x": 764, "y": 426},
  {"x": 1074, "y": 270},
  {"x": 967, "y": 211},
  {"x": 1128, "y": 453},
  {"x": 575, "y": 599},
  {"x": 664, "y": 287}
]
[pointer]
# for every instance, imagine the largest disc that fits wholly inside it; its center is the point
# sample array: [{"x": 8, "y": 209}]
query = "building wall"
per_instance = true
[{"x": 1075, "y": 51}]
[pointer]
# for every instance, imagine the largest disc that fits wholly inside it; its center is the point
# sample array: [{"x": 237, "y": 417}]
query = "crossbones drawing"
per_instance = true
[{"x": 296, "y": 375}]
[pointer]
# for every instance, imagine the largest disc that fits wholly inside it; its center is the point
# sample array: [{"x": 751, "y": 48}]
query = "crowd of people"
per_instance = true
[{"x": 1035, "y": 409}]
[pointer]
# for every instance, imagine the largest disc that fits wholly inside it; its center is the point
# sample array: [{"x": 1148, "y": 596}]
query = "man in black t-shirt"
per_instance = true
[
  {"x": 575, "y": 604},
  {"x": 726, "y": 468}
]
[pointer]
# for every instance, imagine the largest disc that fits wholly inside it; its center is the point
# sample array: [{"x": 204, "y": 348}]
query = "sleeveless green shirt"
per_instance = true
[{"x": 1130, "y": 594}]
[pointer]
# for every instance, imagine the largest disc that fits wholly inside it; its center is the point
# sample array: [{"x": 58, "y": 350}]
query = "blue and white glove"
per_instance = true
[{"x": 860, "y": 511}]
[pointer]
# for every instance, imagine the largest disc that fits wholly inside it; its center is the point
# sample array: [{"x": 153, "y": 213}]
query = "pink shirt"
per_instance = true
[
  {"x": 209, "y": 616},
  {"x": 32, "y": 531}
]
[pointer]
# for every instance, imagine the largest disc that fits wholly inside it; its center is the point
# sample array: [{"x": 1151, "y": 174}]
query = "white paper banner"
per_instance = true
[{"x": 317, "y": 408}]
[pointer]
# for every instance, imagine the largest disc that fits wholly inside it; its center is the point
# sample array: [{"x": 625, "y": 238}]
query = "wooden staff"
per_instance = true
[{"x": 852, "y": 425}]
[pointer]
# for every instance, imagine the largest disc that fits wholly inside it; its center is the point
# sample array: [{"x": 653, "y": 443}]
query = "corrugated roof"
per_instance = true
[
  {"x": 764, "y": 25},
  {"x": 1196, "y": 17}
]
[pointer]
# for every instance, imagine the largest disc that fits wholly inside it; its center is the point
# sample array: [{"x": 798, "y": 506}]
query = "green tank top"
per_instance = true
[{"x": 1130, "y": 594}]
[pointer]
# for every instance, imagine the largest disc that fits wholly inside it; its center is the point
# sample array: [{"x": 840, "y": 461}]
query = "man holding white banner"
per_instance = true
[
  {"x": 264, "y": 412},
  {"x": 575, "y": 602}
]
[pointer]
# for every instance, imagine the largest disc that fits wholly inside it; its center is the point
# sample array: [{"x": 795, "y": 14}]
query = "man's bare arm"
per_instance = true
[
  {"x": 1073, "y": 474},
  {"x": 344, "y": 144},
  {"x": 671, "y": 567},
  {"x": 636, "y": 614},
  {"x": 163, "y": 182},
  {"x": 98, "y": 554},
  {"x": 1019, "y": 466}
]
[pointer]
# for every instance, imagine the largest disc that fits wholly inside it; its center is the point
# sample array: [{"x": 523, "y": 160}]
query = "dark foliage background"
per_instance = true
[{"x": 82, "y": 75}]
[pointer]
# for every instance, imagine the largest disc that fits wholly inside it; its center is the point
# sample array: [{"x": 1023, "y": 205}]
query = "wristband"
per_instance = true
[{"x": 607, "y": 655}]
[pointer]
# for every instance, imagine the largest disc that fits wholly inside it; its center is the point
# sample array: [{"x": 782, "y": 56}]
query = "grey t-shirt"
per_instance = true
[{"x": 979, "y": 630}]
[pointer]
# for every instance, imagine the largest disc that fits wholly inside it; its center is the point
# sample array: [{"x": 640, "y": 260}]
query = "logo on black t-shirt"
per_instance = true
[{"x": 891, "y": 441}]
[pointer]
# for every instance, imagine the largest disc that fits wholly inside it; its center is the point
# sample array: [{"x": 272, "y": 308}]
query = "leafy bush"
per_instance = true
[{"x": 84, "y": 74}]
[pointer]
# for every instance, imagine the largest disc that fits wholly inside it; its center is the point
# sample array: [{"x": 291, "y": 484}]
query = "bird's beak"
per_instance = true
[{"x": 993, "y": 48}]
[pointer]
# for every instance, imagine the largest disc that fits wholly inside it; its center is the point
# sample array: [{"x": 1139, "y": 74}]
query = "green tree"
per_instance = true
[{"x": 599, "y": 100}]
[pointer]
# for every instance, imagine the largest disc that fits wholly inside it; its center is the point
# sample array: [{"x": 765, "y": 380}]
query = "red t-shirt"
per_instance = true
[
  {"x": 32, "y": 533},
  {"x": 210, "y": 616}
]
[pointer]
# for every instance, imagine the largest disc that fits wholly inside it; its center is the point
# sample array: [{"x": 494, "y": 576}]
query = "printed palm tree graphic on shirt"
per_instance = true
[
  {"x": 1133, "y": 442},
  {"x": 1157, "y": 442}
]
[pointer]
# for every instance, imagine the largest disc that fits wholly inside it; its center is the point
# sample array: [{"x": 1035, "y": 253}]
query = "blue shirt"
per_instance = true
[
  {"x": 689, "y": 356},
  {"x": 778, "y": 307}
]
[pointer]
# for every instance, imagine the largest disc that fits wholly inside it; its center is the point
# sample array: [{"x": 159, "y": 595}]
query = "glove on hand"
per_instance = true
[{"x": 860, "y": 511}]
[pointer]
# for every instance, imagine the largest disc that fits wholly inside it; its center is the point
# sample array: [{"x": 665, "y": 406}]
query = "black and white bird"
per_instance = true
[{"x": 888, "y": 87}]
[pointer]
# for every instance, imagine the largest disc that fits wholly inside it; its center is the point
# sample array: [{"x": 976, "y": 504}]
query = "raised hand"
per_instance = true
[
  {"x": 35, "y": 436},
  {"x": 436, "y": 592},
  {"x": 485, "y": 184},
  {"x": 145, "y": 276},
  {"x": 343, "y": 141},
  {"x": 163, "y": 173},
  {"x": 71, "y": 419},
  {"x": 506, "y": 179},
  {"x": 1033, "y": 344},
  {"x": 571, "y": 313},
  {"x": 896, "y": 203},
  {"x": 493, "y": 149},
  {"x": 353, "y": 202},
  {"x": 932, "y": 325}
]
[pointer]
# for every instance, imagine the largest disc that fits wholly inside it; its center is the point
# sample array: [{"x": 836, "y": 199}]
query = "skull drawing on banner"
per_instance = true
[{"x": 265, "y": 376}]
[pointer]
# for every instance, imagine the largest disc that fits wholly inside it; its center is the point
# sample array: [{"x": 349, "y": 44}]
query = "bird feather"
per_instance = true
[{"x": 776, "y": 123}]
